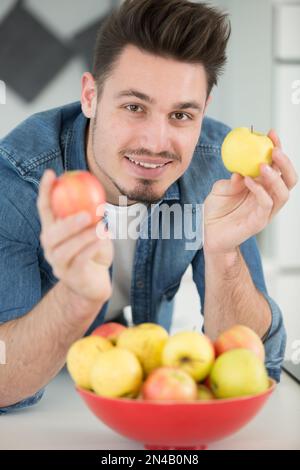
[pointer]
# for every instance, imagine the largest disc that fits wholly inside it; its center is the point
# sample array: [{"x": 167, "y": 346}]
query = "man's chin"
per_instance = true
[{"x": 143, "y": 192}]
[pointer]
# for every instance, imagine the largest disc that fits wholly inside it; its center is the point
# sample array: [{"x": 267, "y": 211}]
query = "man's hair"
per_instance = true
[{"x": 177, "y": 29}]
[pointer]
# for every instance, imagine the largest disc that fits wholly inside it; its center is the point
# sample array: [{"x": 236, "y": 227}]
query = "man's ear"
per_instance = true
[{"x": 88, "y": 95}]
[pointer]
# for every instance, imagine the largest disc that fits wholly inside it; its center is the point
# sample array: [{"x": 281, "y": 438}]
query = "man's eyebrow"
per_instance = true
[
  {"x": 188, "y": 104},
  {"x": 142, "y": 96},
  {"x": 136, "y": 93}
]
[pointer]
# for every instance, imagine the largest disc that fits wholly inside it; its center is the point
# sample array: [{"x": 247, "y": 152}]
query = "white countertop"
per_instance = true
[{"x": 62, "y": 421}]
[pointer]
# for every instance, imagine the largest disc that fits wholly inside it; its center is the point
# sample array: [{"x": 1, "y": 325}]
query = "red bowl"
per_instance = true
[{"x": 180, "y": 425}]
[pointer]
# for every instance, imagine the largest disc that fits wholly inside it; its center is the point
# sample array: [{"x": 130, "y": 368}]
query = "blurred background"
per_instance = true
[{"x": 46, "y": 45}]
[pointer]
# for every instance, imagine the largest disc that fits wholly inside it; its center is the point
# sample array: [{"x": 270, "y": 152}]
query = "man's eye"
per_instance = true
[
  {"x": 133, "y": 108},
  {"x": 180, "y": 116}
]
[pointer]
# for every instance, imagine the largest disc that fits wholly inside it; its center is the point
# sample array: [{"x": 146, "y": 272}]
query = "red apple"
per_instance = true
[
  {"x": 77, "y": 191},
  {"x": 240, "y": 336},
  {"x": 169, "y": 383},
  {"x": 110, "y": 331}
]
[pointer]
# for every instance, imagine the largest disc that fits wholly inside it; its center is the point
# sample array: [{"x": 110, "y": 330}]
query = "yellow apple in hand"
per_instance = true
[
  {"x": 81, "y": 357},
  {"x": 117, "y": 373},
  {"x": 191, "y": 351},
  {"x": 238, "y": 372},
  {"x": 243, "y": 151},
  {"x": 146, "y": 341}
]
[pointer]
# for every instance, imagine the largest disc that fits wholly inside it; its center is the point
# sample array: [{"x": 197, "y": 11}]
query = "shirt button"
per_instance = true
[{"x": 140, "y": 284}]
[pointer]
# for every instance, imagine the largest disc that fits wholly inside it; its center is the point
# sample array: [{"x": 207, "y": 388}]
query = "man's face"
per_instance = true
[{"x": 146, "y": 126}]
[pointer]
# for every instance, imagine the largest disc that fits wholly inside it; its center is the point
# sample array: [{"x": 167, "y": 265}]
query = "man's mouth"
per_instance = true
[
  {"x": 148, "y": 164},
  {"x": 144, "y": 168}
]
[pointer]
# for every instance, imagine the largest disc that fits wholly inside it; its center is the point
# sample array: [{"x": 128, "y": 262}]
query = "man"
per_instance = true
[{"x": 138, "y": 131}]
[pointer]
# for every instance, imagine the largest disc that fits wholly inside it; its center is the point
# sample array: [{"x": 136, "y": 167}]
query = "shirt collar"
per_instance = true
[
  {"x": 173, "y": 192},
  {"x": 75, "y": 151}
]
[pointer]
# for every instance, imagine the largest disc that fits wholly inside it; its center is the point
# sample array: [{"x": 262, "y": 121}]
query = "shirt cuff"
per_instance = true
[
  {"x": 274, "y": 341},
  {"x": 24, "y": 403}
]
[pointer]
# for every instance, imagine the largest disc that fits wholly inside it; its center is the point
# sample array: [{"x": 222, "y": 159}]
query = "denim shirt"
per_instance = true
[{"x": 56, "y": 139}]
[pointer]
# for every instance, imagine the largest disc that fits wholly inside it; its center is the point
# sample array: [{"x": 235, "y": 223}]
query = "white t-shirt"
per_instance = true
[{"x": 124, "y": 226}]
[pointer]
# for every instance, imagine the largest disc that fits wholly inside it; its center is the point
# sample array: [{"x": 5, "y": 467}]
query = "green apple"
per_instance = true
[
  {"x": 191, "y": 351},
  {"x": 237, "y": 373},
  {"x": 146, "y": 341},
  {"x": 81, "y": 357},
  {"x": 243, "y": 151},
  {"x": 116, "y": 373}
]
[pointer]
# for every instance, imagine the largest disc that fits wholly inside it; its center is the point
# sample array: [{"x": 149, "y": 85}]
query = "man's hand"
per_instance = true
[
  {"x": 79, "y": 258},
  {"x": 239, "y": 208}
]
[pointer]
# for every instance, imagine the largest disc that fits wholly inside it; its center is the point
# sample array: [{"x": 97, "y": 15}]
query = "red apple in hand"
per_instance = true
[
  {"x": 169, "y": 383},
  {"x": 240, "y": 336},
  {"x": 110, "y": 331},
  {"x": 77, "y": 191}
]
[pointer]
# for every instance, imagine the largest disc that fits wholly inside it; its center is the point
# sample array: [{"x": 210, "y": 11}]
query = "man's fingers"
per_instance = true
[
  {"x": 283, "y": 164},
  {"x": 63, "y": 229},
  {"x": 64, "y": 254},
  {"x": 237, "y": 183},
  {"x": 263, "y": 199},
  {"x": 228, "y": 187},
  {"x": 43, "y": 201},
  {"x": 275, "y": 138},
  {"x": 275, "y": 186},
  {"x": 100, "y": 250}
]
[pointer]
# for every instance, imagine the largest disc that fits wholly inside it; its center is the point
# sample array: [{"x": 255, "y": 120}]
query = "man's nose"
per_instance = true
[{"x": 157, "y": 135}]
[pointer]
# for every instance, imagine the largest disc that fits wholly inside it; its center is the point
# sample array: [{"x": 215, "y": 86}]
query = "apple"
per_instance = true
[
  {"x": 110, "y": 331},
  {"x": 240, "y": 336},
  {"x": 117, "y": 373},
  {"x": 191, "y": 351},
  {"x": 146, "y": 341},
  {"x": 81, "y": 357},
  {"x": 204, "y": 393},
  {"x": 206, "y": 382},
  {"x": 169, "y": 383},
  {"x": 243, "y": 151},
  {"x": 77, "y": 191},
  {"x": 237, "y": 373}
]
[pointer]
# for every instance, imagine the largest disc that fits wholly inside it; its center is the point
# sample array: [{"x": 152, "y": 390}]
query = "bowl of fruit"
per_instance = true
[{"x": 171, "y": 392}]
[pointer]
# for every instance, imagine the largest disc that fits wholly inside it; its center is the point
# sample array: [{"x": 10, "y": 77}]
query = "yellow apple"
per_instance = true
[
  {"x": 243, "y": 151},
  {"x": 117, "y": 373},
  {"x": 146, "y": 341},
  {"x": 81, "y": 357},
  {"x": 238, "y": 372},
  {"x": 191, "y": 351},
  {"x": 204, "y": 393}
]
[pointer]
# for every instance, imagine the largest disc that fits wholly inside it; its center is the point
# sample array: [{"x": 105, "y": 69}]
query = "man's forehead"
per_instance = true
[{"x": 141, "y": 74}]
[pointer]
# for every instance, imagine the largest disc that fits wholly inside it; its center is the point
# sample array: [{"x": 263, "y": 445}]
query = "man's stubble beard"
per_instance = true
[{"x": 143, "y": 192}]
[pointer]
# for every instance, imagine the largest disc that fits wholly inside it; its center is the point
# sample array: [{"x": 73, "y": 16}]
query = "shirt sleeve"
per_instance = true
[
  {"x": 275, "y": 338},
  {"x": 20, "y": 282}
]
